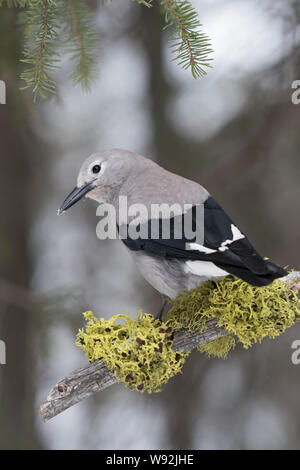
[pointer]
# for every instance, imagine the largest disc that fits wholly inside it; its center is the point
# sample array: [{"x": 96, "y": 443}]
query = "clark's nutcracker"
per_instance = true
[{"x": 171, "y": 264}]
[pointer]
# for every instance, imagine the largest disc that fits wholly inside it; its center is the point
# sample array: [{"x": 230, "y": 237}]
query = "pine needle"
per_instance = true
[
  {"x": 54, "y": 25},
  {"x": 14, "y": 3},
  {"x": 82, "y": 42},
  {"x": 147, "y": 3},
  {"x": 40, "y": 52},
  {"x": 190, "y": 46}
]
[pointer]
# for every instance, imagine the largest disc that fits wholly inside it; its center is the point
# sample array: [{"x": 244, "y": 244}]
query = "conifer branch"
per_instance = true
[
  {"x": 53, "y": 25},
  {"x": 43, "y": 43},
  {"x": 40, "y": 52},
  {"x": 14, "y": 3},
  {"x": 95, "y": 377},
  {"x": 190, "y": 46},
  {"x": 183, "y": 30},
  {"x": 82, "y": 43},
  {"x": 146, "y": 3}
]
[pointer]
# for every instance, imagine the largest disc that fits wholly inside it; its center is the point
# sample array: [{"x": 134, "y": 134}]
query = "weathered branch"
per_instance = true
[{"x": 95, "y": 377}]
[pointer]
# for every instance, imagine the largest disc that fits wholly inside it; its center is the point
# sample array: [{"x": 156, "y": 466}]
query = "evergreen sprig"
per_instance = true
[
  {"x": 51, "y": 26},
  {"x": 82, "y": 42},
  {"x": 14, "y": 3},
  {"x": 41, "y": 44},
  {"x": 191, "y": 47},
  {"x": 147, "y": 3}
]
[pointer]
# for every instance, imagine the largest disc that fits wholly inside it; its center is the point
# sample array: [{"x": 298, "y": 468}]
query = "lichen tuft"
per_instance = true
[
  {"x": 247, "y": 312},
  {"x": 219, "y": 347},
  {"x": 138, "y": 351}
]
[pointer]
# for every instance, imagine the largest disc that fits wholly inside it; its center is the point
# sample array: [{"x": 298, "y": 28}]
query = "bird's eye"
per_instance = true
[{"x": 96, "y": 169}]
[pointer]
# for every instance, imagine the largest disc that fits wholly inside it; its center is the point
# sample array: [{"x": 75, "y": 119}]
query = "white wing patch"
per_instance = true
[
  {"x": 204, "y": 268},
  {"x": 236, "y": 235},
  {"x": 203, "y": 249}
]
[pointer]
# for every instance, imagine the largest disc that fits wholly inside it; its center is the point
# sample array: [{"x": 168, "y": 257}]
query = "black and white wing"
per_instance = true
[{"x": 224, "y": 246}]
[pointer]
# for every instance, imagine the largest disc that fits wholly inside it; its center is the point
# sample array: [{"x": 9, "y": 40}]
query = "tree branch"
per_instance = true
[
  {"x": 43, "y": 44},
  {"x": 95, "y": 377}
]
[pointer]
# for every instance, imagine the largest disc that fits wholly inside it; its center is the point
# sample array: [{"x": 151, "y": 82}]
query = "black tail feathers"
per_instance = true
[{"x": 273, "y": 272}]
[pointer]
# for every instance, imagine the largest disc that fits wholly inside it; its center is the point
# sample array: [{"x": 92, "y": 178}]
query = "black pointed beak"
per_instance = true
[{"x": 74, "y": 197}]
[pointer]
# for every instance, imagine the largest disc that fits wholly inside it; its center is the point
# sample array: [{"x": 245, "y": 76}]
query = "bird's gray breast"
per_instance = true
[{"x": 166, "y": 276}]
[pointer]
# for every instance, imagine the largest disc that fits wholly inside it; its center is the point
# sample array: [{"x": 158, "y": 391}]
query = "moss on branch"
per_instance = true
[
  {"x": 139, "y": 351},
  {"x": 248, "y": 313}
]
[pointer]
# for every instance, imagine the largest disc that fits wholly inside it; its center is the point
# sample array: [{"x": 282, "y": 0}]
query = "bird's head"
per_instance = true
[{"x": 100, "y": 176}]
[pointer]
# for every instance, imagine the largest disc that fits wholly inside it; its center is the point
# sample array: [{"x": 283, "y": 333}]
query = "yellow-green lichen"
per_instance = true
[
  {"x": 219, "y": 347},
  {"x": 138, "y": 351},
  {"x": 249, "y": 313}
]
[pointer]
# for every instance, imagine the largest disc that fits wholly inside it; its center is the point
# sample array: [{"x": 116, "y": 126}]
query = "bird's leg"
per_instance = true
[{"x": 159, "y": 315}]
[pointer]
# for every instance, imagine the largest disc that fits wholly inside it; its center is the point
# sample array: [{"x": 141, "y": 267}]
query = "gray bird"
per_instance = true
[{"x": 170, "y": 263}]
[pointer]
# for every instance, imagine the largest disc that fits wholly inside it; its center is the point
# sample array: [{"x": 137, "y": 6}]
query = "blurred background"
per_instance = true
[{"x": 236, "y": 132}]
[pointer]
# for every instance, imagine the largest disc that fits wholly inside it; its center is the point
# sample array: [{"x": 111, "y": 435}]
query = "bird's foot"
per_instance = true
[{"x": 159, "y": 315}]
